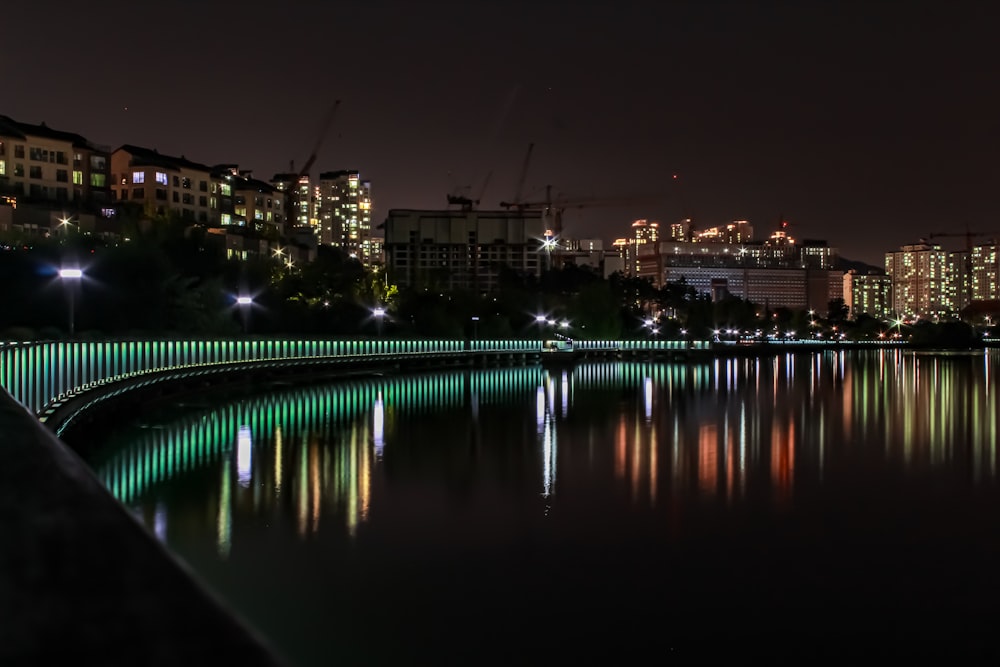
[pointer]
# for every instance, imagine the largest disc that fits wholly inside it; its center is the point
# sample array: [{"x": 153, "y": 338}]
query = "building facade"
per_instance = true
[
  {"x": 984, "y": 272},
  {"x": 920, "y": 285},
  {"x": 299, "y": 200},
  {"x": 39, "y": 164},
  {"x": 345, "y": 215},
  {"x": 868, "y": 294},
  {"x": 454, "y": 249},
  {"x": 162, "y": 183},
  {"x": 792, "y": 288}
]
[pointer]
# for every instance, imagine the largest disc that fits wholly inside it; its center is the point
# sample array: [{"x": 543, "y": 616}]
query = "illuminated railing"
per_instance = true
[{"x": 39, "y": 374}]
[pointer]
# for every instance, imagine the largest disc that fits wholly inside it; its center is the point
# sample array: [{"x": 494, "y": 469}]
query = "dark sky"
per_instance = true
[{"x": 868, "y": 124}]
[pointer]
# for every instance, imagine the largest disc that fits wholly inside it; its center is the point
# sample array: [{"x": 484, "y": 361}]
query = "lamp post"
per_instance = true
[
  {"x": 475, "y": 327},
  {"x": 71, "y": 278},
  {"x": 245, "y": 303},
  {"x": 379, "y": 313},
  {"x": 540, "y": 321}
]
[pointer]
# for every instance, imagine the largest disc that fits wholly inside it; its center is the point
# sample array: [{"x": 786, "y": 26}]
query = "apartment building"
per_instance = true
[
  {"x": 868, "y": 294},
  {"x": 920, "y": 281},
  {"x": 160, "y": 183},
  {"x": 39, "y": 164},
  {"x": 344, "y": 204},
  {"x": 256, "y": 205}
]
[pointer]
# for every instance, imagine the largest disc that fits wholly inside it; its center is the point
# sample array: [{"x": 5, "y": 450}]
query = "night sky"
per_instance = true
[{"x": 868, "y": 124}]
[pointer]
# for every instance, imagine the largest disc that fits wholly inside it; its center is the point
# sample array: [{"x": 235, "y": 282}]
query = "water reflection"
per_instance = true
[{"x": 697, "y": 433}]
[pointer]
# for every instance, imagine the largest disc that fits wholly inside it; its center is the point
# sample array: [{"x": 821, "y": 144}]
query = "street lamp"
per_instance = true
[
  {"x": 475, "y": 327},
  {"x": 540, "y": 321},
  {"x": 71, "y": 278},
  {"x": 245, "y": 303},
  {"x": 379, "y": 313},
  {"x": 65, "y": 223}
]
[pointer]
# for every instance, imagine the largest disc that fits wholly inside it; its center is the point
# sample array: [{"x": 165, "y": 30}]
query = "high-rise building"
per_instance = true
[
  {"x": 300, "y": 199},
  {"x": 737, "y": 231},
  {"x": 681, "y": 230},
  {"x": 984, "y": 272},
  {"x": 868, "y": 294},
  {"x": 920, "y": 286},
  {"x": 645, "y": 235},
  {"x": 345, "y": 214}
]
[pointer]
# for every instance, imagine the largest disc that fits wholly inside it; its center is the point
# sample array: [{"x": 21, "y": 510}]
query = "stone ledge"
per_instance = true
[{"x": 82, "y": 580}]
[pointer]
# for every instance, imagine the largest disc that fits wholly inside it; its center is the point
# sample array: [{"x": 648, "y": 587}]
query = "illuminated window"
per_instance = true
[
  {"x": 77, "y": 177},
  {"x": 227, "y": 219},
  {"x": 161, "y": 178},
  {"x": 3, "y": 167},
  {"x": 227, "y": 190},
  {"x": 138, "y": 177}
]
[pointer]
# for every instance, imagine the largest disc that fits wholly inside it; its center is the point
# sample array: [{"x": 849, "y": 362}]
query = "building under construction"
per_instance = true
[{"x": 464, "y": 249}]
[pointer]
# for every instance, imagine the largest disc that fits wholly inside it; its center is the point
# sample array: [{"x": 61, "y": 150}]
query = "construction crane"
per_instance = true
[
  {"x": 295, "y": 177},
  {"x": 467, "y": 203},
  {"x": 553, "y": 209},
  {"x": 968, "y": 234},
  {"x": 323, "y": 132},
  {"x": 523, "y": 175}
]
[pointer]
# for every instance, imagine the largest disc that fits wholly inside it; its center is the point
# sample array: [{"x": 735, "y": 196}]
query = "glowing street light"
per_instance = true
[
  {"x": 65, "y": 223},
  {"x": 71, "y": 279},
  {"x": 245, "y": 303},
  {"x": 540, "y": 320},
  {"x": 379, "y": 313}
]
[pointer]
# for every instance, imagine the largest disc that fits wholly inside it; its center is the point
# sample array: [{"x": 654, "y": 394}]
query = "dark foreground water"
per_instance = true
[{"x": 804, "y": 507}]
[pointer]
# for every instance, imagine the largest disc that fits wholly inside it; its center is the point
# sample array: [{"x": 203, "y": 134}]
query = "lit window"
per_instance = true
[
  {"x": 227, "y": 219},
  {"x": 138, "y": 177},
  {"x": 3, "y": 167},
  {"x": 77, "y": 177},
  {"x": 161, "y": 178}
]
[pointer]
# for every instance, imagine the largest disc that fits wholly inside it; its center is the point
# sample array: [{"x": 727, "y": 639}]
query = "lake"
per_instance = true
[{"x": 803, "y": 507}]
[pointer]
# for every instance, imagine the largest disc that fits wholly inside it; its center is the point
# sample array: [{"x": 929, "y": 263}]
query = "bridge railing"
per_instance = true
[{"x": 37, "y": 373}]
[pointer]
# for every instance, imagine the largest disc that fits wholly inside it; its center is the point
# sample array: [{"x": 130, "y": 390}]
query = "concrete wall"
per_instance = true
[{"x": 82, "y": 582}]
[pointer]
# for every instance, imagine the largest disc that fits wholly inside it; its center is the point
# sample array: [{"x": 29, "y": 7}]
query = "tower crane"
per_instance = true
[
  {"x": 553, "y": 209},
  {"x": 323, "y": 132},
  {"x": 467, "y": 204},
  {"x": 968, "y": 234},
  {"x": 296, "y": 176},
  {"x": 524, "y": 174}
]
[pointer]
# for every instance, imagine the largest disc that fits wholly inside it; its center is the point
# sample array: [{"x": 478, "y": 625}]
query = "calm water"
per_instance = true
[{"x": 801, "y": 506}]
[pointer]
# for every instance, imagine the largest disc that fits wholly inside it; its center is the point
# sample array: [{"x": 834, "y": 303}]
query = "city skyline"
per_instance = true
[{"x": 866, "y": 126}]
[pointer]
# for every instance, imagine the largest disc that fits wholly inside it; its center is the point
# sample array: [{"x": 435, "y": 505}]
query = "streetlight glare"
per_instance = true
[
  {"x": 70, "y": 273},
  {"x": 379, "y": 312},
  {"x": 244, "y": 300}
]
